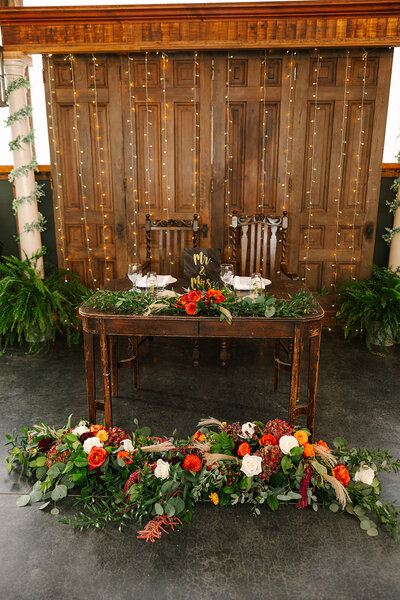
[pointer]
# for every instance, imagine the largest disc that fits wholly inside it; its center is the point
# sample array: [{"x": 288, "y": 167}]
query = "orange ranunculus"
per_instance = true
[
  {"x": 244, "y": 449},
  {"x": 308, "y": 450},
  {"x": 95, "y": 428},
  {"x": 267, "y": 439},
  {"x": 96, "y": 457},
  {"x": 102, "y": 435},
  {"x": 215, "y": 295},
  {"x": 182, "y": 301},
  {"x": 195, "y": 295},
  {"x": 199, "y": 436},
  {"x": 124, "y": 454},
  {"x": 341, "y": 474},
  {"x": 214, "y": 498},
  {"x": 301, "y": 436},
  {"x": 191, "y": 308},
  {"x": 321, "y": 443},
  {"x": 192, "y": 463}
]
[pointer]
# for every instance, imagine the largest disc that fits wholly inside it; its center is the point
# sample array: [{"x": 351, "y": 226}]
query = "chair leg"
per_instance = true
[
  {"x": 276, "y": 364},
  {"x": 113, "y": 342},
  {"x": 196, "y": 352},
  {"x": 223, "y": 352},
  {"x": 134, "y": 345}
]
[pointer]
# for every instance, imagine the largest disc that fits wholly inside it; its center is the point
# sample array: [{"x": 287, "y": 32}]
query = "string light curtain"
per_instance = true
[
  {"x": 264, "y": 133},
  {"x": 133, "y": 166},
  {"x": 196, "y": 132},
  {"x": 228, "y": 156},
  {"x": 288, "y": 150}
]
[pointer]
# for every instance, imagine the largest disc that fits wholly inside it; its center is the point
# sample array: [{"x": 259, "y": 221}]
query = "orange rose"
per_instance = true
[
  {"x": 321, "y": 443},
  {"x": 192, "y": 463},
  {"x": 267, "y": 439},
  {"x": 96, "y": 457},
  {"x": 301, "y": 436},
  {"x": 195, "y": 295},
  {"x": 182, "y": 301},
  {"x": 199, "y": 436},
  {"x": 308, "y": 450},
  {"x": 95, "y": 428},
  {"x": 215, "y": 295},
  {"x": 244, "y": 449},
  {"x": 191, "y": 308},
  {"x": 124, "y": 454},
  {"x": 341, "y": 474},
  {"x": 102, "y": 435}
]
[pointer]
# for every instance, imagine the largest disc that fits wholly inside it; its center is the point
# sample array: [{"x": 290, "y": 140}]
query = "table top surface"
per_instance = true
[{"x": 279, "y": 288}]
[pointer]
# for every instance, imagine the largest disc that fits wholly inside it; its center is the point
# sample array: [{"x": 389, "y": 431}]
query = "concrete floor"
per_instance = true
[{"x": 224, "y": 553}]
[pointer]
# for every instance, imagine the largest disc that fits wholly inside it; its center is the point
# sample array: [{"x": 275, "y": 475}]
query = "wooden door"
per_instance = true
[{"x": 278, "y": 128}]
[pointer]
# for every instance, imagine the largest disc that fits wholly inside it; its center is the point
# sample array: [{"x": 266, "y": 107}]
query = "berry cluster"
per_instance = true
[
  {"x": 231, "y": 473},
  {"x": 234, "y": 431},
  {"x": 271, "y": 461},
  {"x": 278, "y": 428},
  {"x": 116, "y": 436},
  {"x": 54, "y": 456}
]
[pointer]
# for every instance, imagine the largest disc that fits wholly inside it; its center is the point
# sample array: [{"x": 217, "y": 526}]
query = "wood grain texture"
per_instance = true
[{"x": 202, "y": 26}]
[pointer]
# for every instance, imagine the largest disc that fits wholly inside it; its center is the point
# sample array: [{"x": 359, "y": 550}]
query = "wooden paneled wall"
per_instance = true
[{"x": 166, "y": 190}]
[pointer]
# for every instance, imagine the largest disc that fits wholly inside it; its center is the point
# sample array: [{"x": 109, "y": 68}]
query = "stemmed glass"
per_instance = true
[
  {"x": 134, "y": 273},
  {"x": 226, "y": 274},
  {"x": 256, "y": 282},
  {"x": 151, "y": 282}
]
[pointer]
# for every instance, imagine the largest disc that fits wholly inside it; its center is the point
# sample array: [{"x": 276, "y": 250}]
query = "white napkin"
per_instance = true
[
  {"x": 162, "y": 281},
  {"x": 243, "y": 283}
]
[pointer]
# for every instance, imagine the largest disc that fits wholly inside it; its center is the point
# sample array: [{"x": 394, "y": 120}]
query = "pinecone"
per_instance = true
[
  {"x": 234, "y": 431},
  {"x": 115, "y": 436},
  {"x": 54, "y": 456},
  {"x": 271, "y": 461},
  {"x": 278, "y": 428}
]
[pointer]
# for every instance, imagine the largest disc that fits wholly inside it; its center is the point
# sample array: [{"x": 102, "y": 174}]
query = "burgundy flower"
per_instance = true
[
  {"x": 85, "y": 436},
  {"x": 45, "y": 444}
]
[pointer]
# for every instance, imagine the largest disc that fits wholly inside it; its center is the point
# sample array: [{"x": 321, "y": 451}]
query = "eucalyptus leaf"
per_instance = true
[
  {"x": 373, "y": 532},
  {"x": 23, "y": 500},
  {"x": 54, "y": 511},
  {"x": 158, "y": 508},
  {"x": 59, "y": 492}
]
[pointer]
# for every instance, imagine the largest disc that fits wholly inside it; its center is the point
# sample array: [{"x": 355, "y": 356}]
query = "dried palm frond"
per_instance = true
[
  {"x": 202, "y": 446},
  {"x": 211, "y": 458},
  {"x": 163, "y": 447},
  {"x": 326, "y": 455},
  {"x": 209, "y": 422},
  {"x": 342, "y": 495}
]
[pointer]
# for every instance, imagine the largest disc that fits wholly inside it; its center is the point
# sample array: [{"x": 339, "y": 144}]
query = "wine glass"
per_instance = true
[
  {"x": 151, "y": 282},
  {"x": 256, "y": 282},
  {"x": 134, "y": 272},
  {"x": 226, "y": 274}
]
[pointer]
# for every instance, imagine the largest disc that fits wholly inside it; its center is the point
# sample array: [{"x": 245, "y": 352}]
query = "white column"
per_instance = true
[
  {"x": 394, "y": 254},
  {"x": 30, "y": 243}
]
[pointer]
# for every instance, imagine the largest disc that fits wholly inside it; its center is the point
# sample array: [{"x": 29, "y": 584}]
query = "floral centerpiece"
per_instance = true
[{"x": 160, "y": 479}]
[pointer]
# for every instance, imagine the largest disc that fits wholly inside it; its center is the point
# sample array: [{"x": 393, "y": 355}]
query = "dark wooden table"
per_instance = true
[{"x": 297, "y": 330}]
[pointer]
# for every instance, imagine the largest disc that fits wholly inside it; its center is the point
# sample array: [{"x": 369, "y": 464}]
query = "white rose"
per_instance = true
[
  {"x": 80, "y": 429},
  {"x": 90, "y": 443},
  {"x": 287, "y": 442},
  {"x": 364, "y": 474},
  {"x": 248, "y": 429},
  {"x": 127, "y": 445},
  {"x": 251, "y": 465},
  {"x": 162, "y": 469}
]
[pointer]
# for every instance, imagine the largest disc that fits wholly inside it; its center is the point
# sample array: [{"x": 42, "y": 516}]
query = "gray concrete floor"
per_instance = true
[{"x": 224, "y": 553}]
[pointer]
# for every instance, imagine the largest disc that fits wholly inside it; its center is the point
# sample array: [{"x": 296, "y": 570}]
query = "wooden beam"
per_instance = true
[
  {"x": 296, "y": 24},
  {"x": 390, "y": 169}
]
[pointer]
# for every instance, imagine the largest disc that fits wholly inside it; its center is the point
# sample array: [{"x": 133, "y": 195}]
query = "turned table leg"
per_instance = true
[
  {"x": 223, "y": 352},
  {"x": 88, "y": 345},
  {"x": 113, "y": 342},
  {"x": 295, "y": 374},
  {"x": 105, "y": 370},
  {"x": 315, "y": 344}
]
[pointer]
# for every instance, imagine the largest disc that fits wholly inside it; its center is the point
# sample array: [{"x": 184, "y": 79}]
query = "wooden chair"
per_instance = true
[
  {"x": 171, "y": 240},
  {"x": 259, "y": 245}
]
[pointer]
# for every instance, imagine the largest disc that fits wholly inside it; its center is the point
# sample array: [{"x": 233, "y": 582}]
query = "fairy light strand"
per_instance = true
[
  {"x": 312, "y": 167},
  {"x": 79, "y": 153},
  {"x": 359, "y": 150},
  {"x": 289, "y": 133},
  {"x": 228, "y": 156},
  {"x": 164, "y": 133},
  {"x": 99, "y": 157},
  {"x": 264, "y": 132},
  {"x": 133, "y": 167},
  {"x": 57, "y": 174},
  {"x": 147, "y": 136},
  {"x": 339, "y": 186},
  {"x": 196, "y": 133}
]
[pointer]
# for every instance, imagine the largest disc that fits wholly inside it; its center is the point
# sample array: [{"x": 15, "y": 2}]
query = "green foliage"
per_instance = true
[
  {"x": 23, "y": 112},
  {"x": 16, "y": 144},
  {"x": 32, "y": 197},
  {"x": 373, "y": 300},
  {"x": 34, "y": 309},
  {"x": 15, "y": 84},
  {"x": 23, "y": 170}
]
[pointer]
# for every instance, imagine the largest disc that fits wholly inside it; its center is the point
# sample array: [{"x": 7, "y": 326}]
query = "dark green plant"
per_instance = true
[
  {"x": 34, "y": 309},
  {"x": 373, "y": 303}
]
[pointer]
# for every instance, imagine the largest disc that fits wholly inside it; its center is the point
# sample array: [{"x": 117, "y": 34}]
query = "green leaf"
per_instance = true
[
  {"x": 334, "y": 507},
  {"x": 36, "y": 496},
  {"x": 178, "y": 504},
  {"x": 41, "y": 461},
  {"x": 320, "y": 469},
  {"x": 81, "y": 461},
  {"x": 42, "y": 506},
  {"x": 40, "y": 472},
  {"x": 273, "y": 502},
  {"x": 276, "y": 480},
  {"x": 59, "y": 492},
  {"x": 372, "y": 532},
  {"x": 170, "y": 509},
  {"x": 85, "y": 491},
  {"x": 9, "y": 467},
  {"x": 158, "y": 508},
  {"x": 54, "y": 470},
  {"x": 297, "y": 452},
  {"x": 23, "y": 500},
  {"x": 144, "y": 431},
  {"x": 67, "y": 481},
  {"x": 359, "y": 510},
  {"x": 366, "y": 524},
  {"x": 286, "y": 463},
  {"x": 70, "y": 437},
  {"x": 340, "y": 442},
  {"x": 54, "y": 511}
]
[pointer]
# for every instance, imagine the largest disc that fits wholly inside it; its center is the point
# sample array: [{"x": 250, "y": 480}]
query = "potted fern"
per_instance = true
[
  {"x": 372, "y": 306},
  {"x": 34, "y": 310}
]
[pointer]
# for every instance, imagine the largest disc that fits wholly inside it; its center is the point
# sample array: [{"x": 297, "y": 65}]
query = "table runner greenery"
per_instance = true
[{"x": 157, "y": 480}]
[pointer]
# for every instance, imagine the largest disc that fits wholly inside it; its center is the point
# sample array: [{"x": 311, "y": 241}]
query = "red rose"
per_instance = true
[
  {"x": 96, "y": 457},
  {"x": 267, "y": 440},
  {"x": 192, "y": 463},
  {"x": 191, "y": 308},
  {"x": 244, "y": 449},
  {"x": 195, "y": 295},
  {"x": 215, "y": 295},
  {"x": 341, "y": 474}
]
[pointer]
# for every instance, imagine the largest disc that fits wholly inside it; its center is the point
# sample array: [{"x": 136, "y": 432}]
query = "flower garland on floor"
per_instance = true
[
  {"x": 160, "y": 479},
  {"x": 222, "y": 303}
]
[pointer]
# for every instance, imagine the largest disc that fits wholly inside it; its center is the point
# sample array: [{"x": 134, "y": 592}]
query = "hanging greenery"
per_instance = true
[
  {"x": 393, "y": 206},
  {"x": 391, "y": 232},
  {"x": 32, "y": 197},
  {"x": 23, "y": 112},
  {"x": 15, "y": 84},
  {"x": 20, "y": 139},
  {"x": 23, "y": 170}
]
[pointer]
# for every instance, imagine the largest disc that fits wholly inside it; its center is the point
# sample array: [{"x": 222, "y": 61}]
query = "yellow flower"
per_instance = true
[
  {"x": 214, "y": 498},
  {"x": 301, "y": 436},
  {"x": 102, "y": 435},
  {"x": 224, "y": 423}
]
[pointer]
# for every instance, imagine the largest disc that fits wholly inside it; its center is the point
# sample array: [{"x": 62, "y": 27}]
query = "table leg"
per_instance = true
[
  {"x": 113, "y": 342},
  {"x": 295, "y": 374},
  {"x": 105, "y": 369},
  {"x": 315, "y": 343},
  {"x": 135, "y": 349},
  {"x": 88, "y": 345},
  {"x": 223, "y": 352}
]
